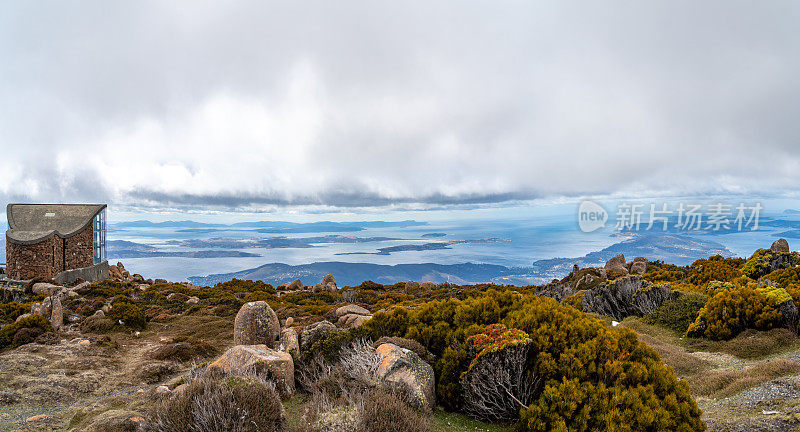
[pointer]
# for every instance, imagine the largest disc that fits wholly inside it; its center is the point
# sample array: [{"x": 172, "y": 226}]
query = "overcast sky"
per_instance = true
[{"x": 340, "y": 103}]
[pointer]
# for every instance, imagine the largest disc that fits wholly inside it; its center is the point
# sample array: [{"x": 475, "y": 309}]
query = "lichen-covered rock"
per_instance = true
[
  {"x": 57, "y": 313},
  {"x": 329, "y": 281},
  {"x": 289, "y": 342},
  {"x": 256, "y": 323},
  {"x": 427, "y": 285},
  {"x": 351, "y": 309},
  {"x": 411, "y": 285},
  {"x": 556, "y": 290},
  {"x": 626, "y": 296},
  {"x": 314, "y": 333},
  {"x": 780, "y": 245},
  {"x": 616, "y": 267},
  {"x": 43, "y": 288},
  {"x": 404, "y": 370},
  {"x": 260, "y": 359},
  {"x": 352, "y": 320},
  {"x": 766, "y": 261},
  {"x": 638, "y": 266}
]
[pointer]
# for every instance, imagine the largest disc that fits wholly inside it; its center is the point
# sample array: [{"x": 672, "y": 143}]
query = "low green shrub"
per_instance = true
[
  {"x": 384, "y": 412},
  {"x": 38, "y": 322},
  {"x": 242, "y": 404},
  {"x": 127, "y": 314},
  {"x": 678, "y": 313}
]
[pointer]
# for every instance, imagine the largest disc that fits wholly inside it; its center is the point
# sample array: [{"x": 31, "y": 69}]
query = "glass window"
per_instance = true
[{"x": 99, "y": 243}]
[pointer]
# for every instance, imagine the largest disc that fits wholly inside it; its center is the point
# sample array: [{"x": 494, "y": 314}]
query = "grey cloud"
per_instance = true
[{"x": 382, "y": 103}]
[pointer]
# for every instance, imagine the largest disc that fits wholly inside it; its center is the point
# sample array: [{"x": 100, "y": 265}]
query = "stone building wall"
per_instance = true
[
  {"x": 78, "y": 251},
  {"x": 44, "y": 259}
]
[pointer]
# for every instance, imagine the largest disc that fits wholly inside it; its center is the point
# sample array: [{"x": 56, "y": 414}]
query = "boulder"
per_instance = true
[
  {"x": 352, "y": 320},
  {"x": 351, "y": 309},
  {"x": 404, "y": 370},
  {"x": 556, "y": 290},
  {"x": 57, "y": 314},
  {"x": 262, "y": 360},
  {"x": 314, "y": 333},
  {"x": 626, "y": 296},
  {"x": 289, "y": 322},
  {"x": 192, "y": 300},
  {"x": 638, "y": 266},
  {"x": 256, "y": 324},
  {"x": 616, "y": 267},
  {"x": 295, "y": 285},
  {"x": 82, "y": 288},
  {"x": 160, "y": 281},
  {"x": 44, "y": 288},
  {"x": 412, "y": 285},
  {"x": 289, "y": 342},
  {"x": 329, "y": 282},
  {"x": 427, "y": 285},
  {"x": 780, "y": 245}
]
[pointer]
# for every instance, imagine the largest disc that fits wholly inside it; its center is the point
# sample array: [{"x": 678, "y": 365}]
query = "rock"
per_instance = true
[
  {"x": 41, "y": 418},
  {"x": 427, "y": 285},
  {"x": 99, "y": 314},
  {"x": 25, "y": 315},
  {"x": 162, "y": 389},
  {"x": 289, "y": 322},
  {"x": 117, "y": 271},
  {"x": 256, "y": 324},
  {"x": 556, "y": 290},
  {"x": 638, "y": 266},
  {"x": 57, "y": 314},
  {"x": 351, "y": 309},
  {"x": 82, "y": 288},
  {"x": 616, "y": 267},
  {"x": 43, "y": 288},
  {"x": 160, "y": 281},
  {"x": 137, "y": 278},
  {"x": 403, "y": 369},
  {"x": 329, "y": 282},
  {"x": 295, "y": 285},
  {"x": 192, "y": 300},
  {"x": 780, "y": 245},
  {"x": 352, "y": 320},
  {"x": 261, "y": 360},
  {"x": 314, "y": 333},
  {"x": 626, "y": 296},
  {"x": 409, "y": 344},
  {"x": 412, "y": 285},
  {"x": 289, "y": 342}
]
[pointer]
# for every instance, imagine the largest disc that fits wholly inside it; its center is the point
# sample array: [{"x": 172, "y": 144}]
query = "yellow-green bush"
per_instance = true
[
  {"x": 732, "y": 309},
  {"x": 716, "y": 268},
  {"x": 127, "y": 314},
  {"x": 619, "y": 378}
]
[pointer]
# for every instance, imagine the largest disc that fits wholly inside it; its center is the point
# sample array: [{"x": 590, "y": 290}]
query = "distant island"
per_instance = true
[
  {"x": 679, "y": 249},
  {"x": 422, "y": 247},
  {"x": 118, "y": 249}
]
